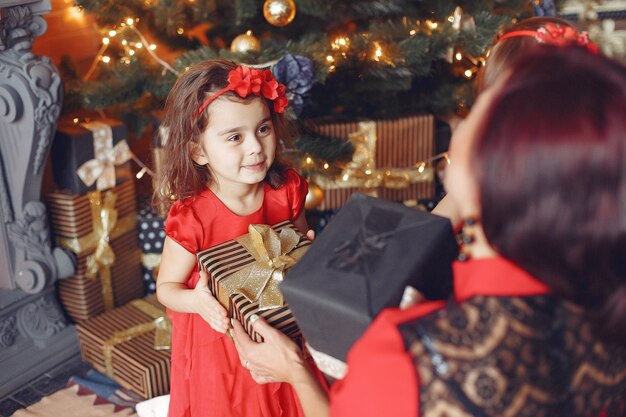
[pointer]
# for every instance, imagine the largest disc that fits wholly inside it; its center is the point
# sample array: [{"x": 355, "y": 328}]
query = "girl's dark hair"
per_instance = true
[
  {"x": 503, "y": 53},
  {"x": 551, "y": 165},
  {"x": 180, "y": 176}
]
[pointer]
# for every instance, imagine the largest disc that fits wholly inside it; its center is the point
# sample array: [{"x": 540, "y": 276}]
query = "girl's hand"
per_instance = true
[
  {"x": 274, "y": 360},
  {"x": 311, "y": 235},
  {"x": 208, "y": 307}
]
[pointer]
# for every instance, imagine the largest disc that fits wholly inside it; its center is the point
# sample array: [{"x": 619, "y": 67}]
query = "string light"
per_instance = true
[
  {"x": 468, "y": 73},
  {"x": 378, "y": 52},
  {"x": 141, "y": 173},
  {"x": 112, "y": 33},
  {"x": 458, "y": 56},
  {"x": 412, "y": 32},
  {"x": 340, "y": 43},
  {"x": 106, "y": 59}
]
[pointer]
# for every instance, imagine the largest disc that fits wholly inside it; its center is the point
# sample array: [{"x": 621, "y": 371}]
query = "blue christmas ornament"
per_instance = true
[
  {"x": 544, "y": 8},
  {"x": 296, "y": 72}
]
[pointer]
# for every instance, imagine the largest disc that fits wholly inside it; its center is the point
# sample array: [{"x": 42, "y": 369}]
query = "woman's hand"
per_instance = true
[
  {"x": 277, "y": 359},
  {"x": 208, "y": 307}
]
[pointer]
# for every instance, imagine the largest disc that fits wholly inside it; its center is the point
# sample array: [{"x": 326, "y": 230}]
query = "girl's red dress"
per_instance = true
[{"x": 207, "y": 378}]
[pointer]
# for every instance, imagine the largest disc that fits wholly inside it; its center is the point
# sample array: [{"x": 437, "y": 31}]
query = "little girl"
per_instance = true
[{"x": 221, "y": 173}]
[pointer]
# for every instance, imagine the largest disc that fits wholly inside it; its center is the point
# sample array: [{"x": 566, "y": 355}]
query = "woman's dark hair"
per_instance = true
[
  {"x": 503, "y": 53},
  {"x": 551, "y": 166},
  {"x": 180, "y": 176}
]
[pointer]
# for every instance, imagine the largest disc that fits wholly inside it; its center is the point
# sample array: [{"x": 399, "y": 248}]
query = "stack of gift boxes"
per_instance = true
[{"x": 93, "y": 212}]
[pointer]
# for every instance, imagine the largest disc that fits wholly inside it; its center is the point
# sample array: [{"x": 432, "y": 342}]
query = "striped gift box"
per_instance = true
[
  {"x": 222, "y": 261},
  {"x": 71, "y": 218},
  {"x": 400, "y": 143},
  {"x": 136, "y": 364}
]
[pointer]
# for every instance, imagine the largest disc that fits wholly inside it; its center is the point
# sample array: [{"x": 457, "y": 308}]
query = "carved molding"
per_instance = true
[
  {"x": 30, "y": 103},
  {"x": 30, "y": 234},
  {"x": 40, "y": 319},
  {"x": 8, "y": 331}
]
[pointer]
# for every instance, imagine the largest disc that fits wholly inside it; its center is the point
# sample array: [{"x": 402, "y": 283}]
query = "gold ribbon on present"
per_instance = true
[
  {"x": 151, "y": 260},
  {"x": 259, "y": 282},
  {"x": 106, "y": 226},
  {"x": 101, "y": 169},
  {"x": 104, "y": 216},
  {"x": 362, "y": 173},
  {"x": 160, "y": 324}
]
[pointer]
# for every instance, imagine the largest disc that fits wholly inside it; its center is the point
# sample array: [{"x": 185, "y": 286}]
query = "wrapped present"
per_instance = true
[
  {"x": 245, "y": 274},
  {"x": 101, "y": 229},
  {"x": 366, "y": 258},
  {"x": 151, "y": 229},
  {"x": 131, "y": 345},
  {"x": 90, "y": 156},
  {"x": 389, "y": 160},
  {"x": 149, "y": 278}
]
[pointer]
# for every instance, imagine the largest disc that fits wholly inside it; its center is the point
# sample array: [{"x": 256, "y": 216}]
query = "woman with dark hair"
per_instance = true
[
  {"x": 537, "y": 326},
  {"x": 510, "y": 42}
]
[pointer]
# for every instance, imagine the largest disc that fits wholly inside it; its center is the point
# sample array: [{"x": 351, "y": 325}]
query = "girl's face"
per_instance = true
[{"x": 239, "y": 144}]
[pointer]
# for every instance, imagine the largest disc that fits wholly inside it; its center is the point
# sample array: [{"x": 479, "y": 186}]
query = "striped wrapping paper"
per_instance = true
[
  {"x": 400, "y": 143},
  {"x": 223, "y": 260},
  {"x": 137, "y": 365},
  {"x": 71, "y": 218}
]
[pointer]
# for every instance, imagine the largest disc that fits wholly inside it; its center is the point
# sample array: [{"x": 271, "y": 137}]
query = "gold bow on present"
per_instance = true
[
  {"x": 160, "y": 324},
  {"x": 104, "y": 217},
  {"x": 362, "y": 173},
  {"x": 101, "y": 169},
  {"x": 259, "y": 282}
]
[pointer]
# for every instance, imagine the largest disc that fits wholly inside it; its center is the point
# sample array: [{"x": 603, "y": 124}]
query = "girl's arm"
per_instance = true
[
  {"x": 278, "y": 359},
  {"x": 173, "y": 292}
]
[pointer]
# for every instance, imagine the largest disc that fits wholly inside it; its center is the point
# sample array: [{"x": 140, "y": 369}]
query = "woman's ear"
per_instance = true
[{"x": 197, "y": 153}]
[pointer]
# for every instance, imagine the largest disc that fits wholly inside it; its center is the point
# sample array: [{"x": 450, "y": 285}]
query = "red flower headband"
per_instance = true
[
  {"x": 556, "y": 35},
  {"x": 245, "y": 81}
]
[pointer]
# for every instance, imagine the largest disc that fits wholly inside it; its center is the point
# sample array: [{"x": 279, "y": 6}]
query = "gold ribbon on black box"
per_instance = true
[
  {"x": 101, "y": 169},
  {"x": 106, "y": 226},
  {"x": 245, "y": 273},
  {"x": 160, "y": 324}
]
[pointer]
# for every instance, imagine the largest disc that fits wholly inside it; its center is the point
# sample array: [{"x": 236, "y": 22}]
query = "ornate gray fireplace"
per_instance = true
[{"x": 34, "y": 335}]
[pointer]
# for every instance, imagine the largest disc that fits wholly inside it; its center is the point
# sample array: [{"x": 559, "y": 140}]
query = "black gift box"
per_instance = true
[
  {"x": 73, "y": 145},
  {"x": 361, "y": 263},
  {"x": 151, "y": 229}
]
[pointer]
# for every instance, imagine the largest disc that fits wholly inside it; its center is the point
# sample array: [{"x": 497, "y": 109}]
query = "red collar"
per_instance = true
[{"x": 493, "y": 277}]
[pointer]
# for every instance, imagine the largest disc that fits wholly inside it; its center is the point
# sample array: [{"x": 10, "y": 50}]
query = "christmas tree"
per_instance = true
[{"x": 351, "y": 60}]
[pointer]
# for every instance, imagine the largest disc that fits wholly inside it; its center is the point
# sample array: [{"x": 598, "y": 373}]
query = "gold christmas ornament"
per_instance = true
[
  {"x": 246, "y": 42},
  {"x": 314, "y": 197},
  {"x": 279, "y": 12}
]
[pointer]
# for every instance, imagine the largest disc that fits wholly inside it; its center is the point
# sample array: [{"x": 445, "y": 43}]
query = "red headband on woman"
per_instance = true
[
  {"x": 245, "y": 81},
  {"x": 553, "y": 34}
]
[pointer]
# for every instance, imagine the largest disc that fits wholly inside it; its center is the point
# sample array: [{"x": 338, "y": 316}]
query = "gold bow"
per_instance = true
[
  {"x": 104, "y": 217},
  {"x": 362, "y": 173},
  {"x": 101, "y": 169},
  {"x": 162, "y": 335},
  {"x": 259, "y": 282}
]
